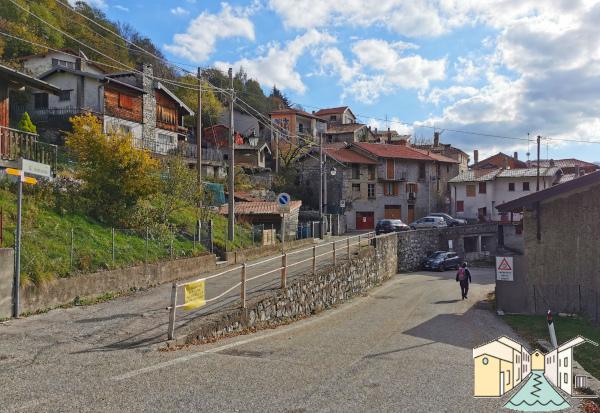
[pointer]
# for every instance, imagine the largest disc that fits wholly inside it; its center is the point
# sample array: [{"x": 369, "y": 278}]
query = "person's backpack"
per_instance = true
[{"x": 462, "y": 274}]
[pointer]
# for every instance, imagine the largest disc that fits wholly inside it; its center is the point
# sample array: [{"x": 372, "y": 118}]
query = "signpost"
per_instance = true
[
  {"x": 283, "y": 199},
  {"x": 33, "y": 168},
  {"x": 504, "y": 269}
]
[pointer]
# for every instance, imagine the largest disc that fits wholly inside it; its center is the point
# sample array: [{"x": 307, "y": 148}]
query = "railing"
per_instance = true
[
  {"x": 15, "y": 144},
  {"x": 54, "y": 115},
  {"x": 188, "y": 150},
  {"x": 333, "y": 250}
]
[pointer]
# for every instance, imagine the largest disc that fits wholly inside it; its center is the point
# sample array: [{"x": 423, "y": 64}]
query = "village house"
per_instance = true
[
  {"x": 571, "y": 167},
  {"x": 348, "y": 133},
  {"x": 377, "y": 181},
  {"x": 476, "y": 193},
  {"x": 294, "y": 126},
  {"x": 446, "y": 150},
  {"x": 244, "y": 124},
  {"x": 340, "y": 115},
  {"x": 497, "y": 161},
  {"x": 390, "y": 136}
]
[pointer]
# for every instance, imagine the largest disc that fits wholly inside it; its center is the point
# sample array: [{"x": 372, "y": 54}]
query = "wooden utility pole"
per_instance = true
[
  {"x": 231, "y": 210},
  {"x": 199, "y": 133},
  {"x": 537, "y": 187}
]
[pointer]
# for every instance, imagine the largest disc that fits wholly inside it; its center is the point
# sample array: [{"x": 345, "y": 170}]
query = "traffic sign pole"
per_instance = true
[{"x": 16, "y": 310}]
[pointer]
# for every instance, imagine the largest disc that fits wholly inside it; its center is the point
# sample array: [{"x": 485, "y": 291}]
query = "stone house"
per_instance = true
[
  {"x": 560, "y": 265},
  {"x": 348, "y": 133},
  {"x": 476, "y": 193},
  {"x": 340, "y": 115},
  {"x": 252, "y": 155},
  {"x": 292, "y": 123},
  {"x": 497, "y": 161},
  {"x": 446, "y": 150}
]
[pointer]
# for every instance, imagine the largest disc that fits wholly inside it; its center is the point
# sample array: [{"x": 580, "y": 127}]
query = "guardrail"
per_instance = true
[{"x": 333, "y": 248}]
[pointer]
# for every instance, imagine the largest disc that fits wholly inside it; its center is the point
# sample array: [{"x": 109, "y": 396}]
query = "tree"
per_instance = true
[
  {"x": 277, "y": 100},
  {"x": 26, "y": 125},
  {"x": 115, "y": 175},
  {"x": 211, "y": 106}
]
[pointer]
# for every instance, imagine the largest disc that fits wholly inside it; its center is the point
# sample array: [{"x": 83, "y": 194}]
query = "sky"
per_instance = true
[{"x": 497, "y": 67}]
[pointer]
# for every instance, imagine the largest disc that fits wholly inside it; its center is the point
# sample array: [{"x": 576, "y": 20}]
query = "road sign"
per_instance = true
[
  {"x": 194, "y": 295},
  {"x": 342, "y": 203},
  {"x": 504, "y": 269},
  {"x": 19, "y": 173},
  {"x": 35, "y": 168},
  {"x": 284, "y": 200}
]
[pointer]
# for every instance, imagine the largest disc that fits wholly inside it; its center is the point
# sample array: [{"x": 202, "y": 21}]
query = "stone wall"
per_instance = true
[
  {"x": 305, "y": 295},
  {"x": 64, "y": 290},
  {"x": 7, "y": 269}
]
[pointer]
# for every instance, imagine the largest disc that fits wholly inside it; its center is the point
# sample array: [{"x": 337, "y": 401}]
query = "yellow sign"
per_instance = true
[
  {"x": 29, "y": 180},
  {"x": 12, "y": 171},
  {"x": 17, "y": 172},
  {"x": 194, "y": 295}
]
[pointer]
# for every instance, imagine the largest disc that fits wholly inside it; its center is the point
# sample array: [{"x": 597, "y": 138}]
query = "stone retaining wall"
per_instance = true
[
  {"x": 305, "y": 295},
  {"x": 7, "y": 269},
  {"x": 65, "y": 290}
]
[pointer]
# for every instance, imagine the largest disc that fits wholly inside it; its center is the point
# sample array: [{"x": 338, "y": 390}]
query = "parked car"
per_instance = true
[
  {"x": 385, "y": 226},
  {"x": 429, "y": 222},
  {"x": 450, "y": 221},
  {"x": 441, "y": 261}
]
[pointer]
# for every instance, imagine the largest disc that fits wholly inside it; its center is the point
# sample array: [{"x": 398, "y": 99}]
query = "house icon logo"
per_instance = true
[{"x": 542, "y": 381}]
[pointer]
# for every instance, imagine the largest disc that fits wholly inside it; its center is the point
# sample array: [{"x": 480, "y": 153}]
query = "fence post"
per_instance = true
[
  {"x": 72, "y": 248},
  {"x": 171, "y": 246},
  {"x": 359, "y": 241},
  {"x": 113, "y": 244},
  {"x": 243, "y": 286},
  {"x": 146, "y": 247},
  {"x": 284, "y": 270},
  {"x": 314, "y": 260},
  {"x": 348, "y": 246},
  {"x": 172, "y": 310},
  {"x": 333, "y": 252}
]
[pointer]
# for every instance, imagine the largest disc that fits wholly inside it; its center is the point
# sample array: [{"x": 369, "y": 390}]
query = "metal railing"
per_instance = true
[
  {"x": 15, "y": 144},
  {"x": 333, "y": 250}
]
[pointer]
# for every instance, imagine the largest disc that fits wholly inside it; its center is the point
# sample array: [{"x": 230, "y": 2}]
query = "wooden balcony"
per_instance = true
[{"x": 15, "y": 144}]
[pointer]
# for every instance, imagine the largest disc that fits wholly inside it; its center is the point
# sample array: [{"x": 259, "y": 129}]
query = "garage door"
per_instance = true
[
  {"x": 365, "y": 220},
  {"x": 392, "y": 212}
]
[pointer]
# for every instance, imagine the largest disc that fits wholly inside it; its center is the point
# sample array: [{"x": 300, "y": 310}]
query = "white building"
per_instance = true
[
  {"x": 476, "y": 193},
  {"x": 558, "y": 367}
]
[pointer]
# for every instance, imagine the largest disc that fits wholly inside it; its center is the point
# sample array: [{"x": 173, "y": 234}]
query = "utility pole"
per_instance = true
[
  {"x": 231, "y": 210},
  {"x": 16, "y": 286},
  {"x": 321, "y": 177},
  {"x": 276, "y": 148},
  {"x": 537, "y": 187},
  {"x": 199, "y": 133}
]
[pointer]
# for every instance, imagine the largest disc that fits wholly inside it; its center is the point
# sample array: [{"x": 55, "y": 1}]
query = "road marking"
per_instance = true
[{"x": 284, "y": 330}]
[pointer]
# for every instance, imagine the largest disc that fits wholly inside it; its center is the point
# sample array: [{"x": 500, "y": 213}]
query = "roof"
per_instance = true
[
  {"x": 529, "y": 200},
  {"x": 68, "y": 52},
  {"x": 249, "y": 147},
  {"x": 489, "y": 160},
  {"x": 258, "y": 208},
  {"x": 101, "y": 78},
  {"x": 291, "y": 111},
  {"x": 162, "y": 87},
  {"x": 346, "y": 155},
  {"x": 475, "y": 176},
  {"x": 344, "y": 128},
  {"x": 383, "y": 150},
  {"x": 479, "y": 175},
  {"x": 26, "y": 80},
  {"x": 333, "y": 111},
  {"x": 436, "y": 156},
  {"x": 566, "y": 178},
  {"x": 564, "y": 163},
  {"x": 527, "y": 172},
  {"x": 576, "y": 342}
]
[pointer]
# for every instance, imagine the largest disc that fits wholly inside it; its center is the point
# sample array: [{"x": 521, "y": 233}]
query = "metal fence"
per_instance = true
[{"x": 334, "y": 251}]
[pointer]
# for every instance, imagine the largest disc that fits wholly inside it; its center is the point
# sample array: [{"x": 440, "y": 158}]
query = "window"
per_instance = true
[
  {"x": 390, "y": 189},
  {"x": 412, "y": 187},
  {"x": 333, "y": 118},
  {"x": 525, "y": 186},
  {"x": 63, "y": 63},
  {"x": 371, "y": 172},
  {"x": 485, "y": 361},
  {"x": 355, "y": 171},
  {"x": 64, "y": 96},
  {"x": 482, "y": 187},
  {"x": 471, "y": 190},
  {"x": 300, "y": 127},
  {"x": 460, "y": 206},
  {"x": 371, "y": 191},
  {"x": 125, "y": 102},
  {"x": 40, "y": 101},
  {"x": 390, "y": 168},
  {"x": 507, "y": 376},
  {"x": 422, "y": 170},
  {"x": 124, "y": 129},
  {"x": 356, "y": 189},
  {"x": 511, "y": 187},
  {"x": 566, "y": 378},
  {"x": 166, "y": 115},
  {"x": 559, "y": 364},
  {"x": 566, "y": 362}
]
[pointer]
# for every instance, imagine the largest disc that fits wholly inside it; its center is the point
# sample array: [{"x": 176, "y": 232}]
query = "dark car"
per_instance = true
[
  {"x": 450, "y": 221},
  {"x": 385, "y": 226},
  {"x": 442, "y": 260}
]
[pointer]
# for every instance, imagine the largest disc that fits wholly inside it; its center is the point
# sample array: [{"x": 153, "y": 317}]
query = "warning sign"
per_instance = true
[
  {"x": 504, "y": 269},
  {"x": 194, "y": 294}
]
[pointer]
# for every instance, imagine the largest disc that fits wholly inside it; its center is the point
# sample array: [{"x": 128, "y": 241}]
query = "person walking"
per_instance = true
[{"x": 463, "y": 276}]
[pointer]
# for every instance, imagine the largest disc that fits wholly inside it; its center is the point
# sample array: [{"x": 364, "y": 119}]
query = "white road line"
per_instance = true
[{"x": 284, "y": 330}]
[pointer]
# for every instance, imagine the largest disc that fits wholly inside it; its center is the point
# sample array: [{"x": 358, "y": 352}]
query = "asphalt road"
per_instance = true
[{"x": 404, "y": 347}]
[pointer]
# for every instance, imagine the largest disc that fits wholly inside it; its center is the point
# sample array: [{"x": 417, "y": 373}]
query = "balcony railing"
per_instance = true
[
  {"x": 188, "y": 150},
  {"x": 15, "y": 144},
  {"x": 49, "y": 116}
]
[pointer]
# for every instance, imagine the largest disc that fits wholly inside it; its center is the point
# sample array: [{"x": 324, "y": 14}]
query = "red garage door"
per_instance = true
[{"x": 365, "y": 220}]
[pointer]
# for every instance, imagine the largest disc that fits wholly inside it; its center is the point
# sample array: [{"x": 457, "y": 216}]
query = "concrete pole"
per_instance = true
[
  {"x": 321, "y": 177},
  {"x": 537, "y": 185},
  {"x": 199, "y": 133},
  {"x": 231, "y": 210},
  {"x": 16, "y": 286}
]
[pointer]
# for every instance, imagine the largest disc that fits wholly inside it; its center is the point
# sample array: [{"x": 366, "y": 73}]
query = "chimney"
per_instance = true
[
  {"x": 516, "y": 156},
  {"x": 389, "y": 140},
  {"x": 148, "y": 104},
  {"x": 436, "y": 139},
  {"x": 475, "y": 156}
]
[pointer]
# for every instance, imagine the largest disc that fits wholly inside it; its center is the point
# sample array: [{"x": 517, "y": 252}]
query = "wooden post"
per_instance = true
[
  {"x": 243, "y": 286},
  {"x": 284, "y": 270},
  {"x": 172, "y": 311},
  {"x": 359, "y": 241},
  {"x": 314, "y": 260},
  {"x": 333, "y": 252}
]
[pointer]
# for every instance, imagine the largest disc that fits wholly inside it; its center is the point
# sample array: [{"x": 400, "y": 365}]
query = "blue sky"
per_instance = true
[{"x": 502, "y": 67}]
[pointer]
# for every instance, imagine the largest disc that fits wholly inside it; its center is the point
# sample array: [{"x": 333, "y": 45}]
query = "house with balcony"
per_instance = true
[
  {"x": 340, "y": 115},
  {"x": 446, "y": 150},
  {"x": 294, "y": 126},
  {"x": 348, "y": 133},
  {"x": 15, "y": 144}
]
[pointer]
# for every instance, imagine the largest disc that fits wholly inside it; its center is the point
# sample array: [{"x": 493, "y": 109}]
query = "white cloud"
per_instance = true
[
  {"x": 180, "y": 11},
  {"x": 101, "y": 4},
  {"x": 450, "y": 94},
  {"x": 203, "y": 32},
  {"x": 277, "y": 65},
  {"x": 122, "y": 8}
]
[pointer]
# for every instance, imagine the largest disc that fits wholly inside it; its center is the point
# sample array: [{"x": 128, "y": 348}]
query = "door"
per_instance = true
[
  {"x": 392, "y": 212},
  {"x": 365, "y": 220},
  {"x": 411, "y": 214},
  {"x": 502, "y": 383},
  {"x": 390, "y": 168}
]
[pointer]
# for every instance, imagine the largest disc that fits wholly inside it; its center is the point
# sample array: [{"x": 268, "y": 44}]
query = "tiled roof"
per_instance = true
[
  {"x": 564, "y": 163},
  {"x": 567, "y": 178},
  {"x": 475, "y": 176},
  {"x": 348, "y": 156},
  {"x": 258, "y": 208},
  {"x": 482, "y": 175},
  {"x": 344, "y": 128},
  {"x": 527, "y": 172},
  {"x": 400, "y": 152},
  {"x": 24, "y": 79},
  {"x": 296, "y": 112},
  {"x": 436, "y": 156},
  {"x": 331, "y": 111}
]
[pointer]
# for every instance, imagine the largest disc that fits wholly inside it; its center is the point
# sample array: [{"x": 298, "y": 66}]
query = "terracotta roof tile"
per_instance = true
[
  {"x": 344, "y": 128},
  {"x": 348, "y": 156},
  {"x": 257, "y": 208},
  {"x": 401, "y": 152},
  {"x": 331, "y": 111}
]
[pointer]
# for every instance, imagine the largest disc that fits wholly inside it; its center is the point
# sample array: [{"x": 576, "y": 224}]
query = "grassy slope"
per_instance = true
[
  {"x": 46, "y": 241},
  {"x": 535, "y": 327}
]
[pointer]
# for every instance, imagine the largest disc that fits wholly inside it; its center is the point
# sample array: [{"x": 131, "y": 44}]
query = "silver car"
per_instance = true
[{"x": 429, "y": 222}]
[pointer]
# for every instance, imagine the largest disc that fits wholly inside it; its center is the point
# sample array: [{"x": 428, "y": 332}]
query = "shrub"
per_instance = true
[{"x": 26, "y": 125}]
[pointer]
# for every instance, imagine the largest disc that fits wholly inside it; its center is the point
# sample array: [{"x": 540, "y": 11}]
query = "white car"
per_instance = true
[{"x": 429, "y": 222}]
